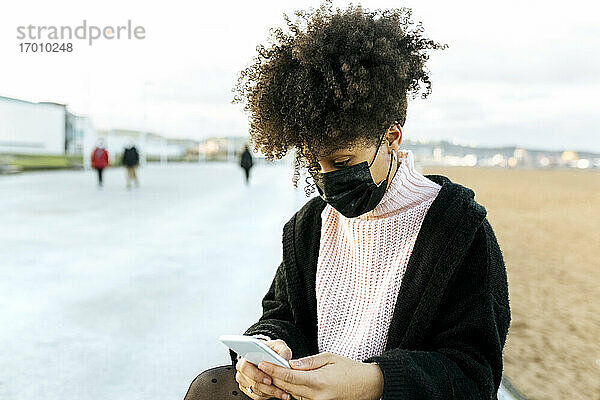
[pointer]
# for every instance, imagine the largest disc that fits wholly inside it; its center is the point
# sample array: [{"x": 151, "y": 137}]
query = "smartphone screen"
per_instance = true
[{"x": 253, "y": 350}]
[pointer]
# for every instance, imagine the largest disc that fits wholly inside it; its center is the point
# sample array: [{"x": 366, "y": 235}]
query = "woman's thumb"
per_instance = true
[
  {"x": 311, "y": 362},
  {"x": 281, "y": 348}
]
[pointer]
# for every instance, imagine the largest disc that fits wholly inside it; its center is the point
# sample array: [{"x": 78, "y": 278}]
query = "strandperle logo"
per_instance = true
[{"x": 90, "y": 33}]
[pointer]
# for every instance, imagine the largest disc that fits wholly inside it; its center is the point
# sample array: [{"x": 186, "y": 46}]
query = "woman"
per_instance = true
[{"x": 392, "y": 283}]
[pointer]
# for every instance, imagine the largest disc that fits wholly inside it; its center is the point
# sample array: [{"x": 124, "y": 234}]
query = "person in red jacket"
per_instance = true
[{"x": 99, "y": 159}]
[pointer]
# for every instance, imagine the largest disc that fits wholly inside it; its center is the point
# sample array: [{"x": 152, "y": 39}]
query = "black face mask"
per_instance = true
[{"x": 351, "y": 190}]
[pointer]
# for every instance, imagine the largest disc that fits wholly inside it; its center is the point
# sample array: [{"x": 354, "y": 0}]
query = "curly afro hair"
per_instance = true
[{"x": 334, "y": 80}]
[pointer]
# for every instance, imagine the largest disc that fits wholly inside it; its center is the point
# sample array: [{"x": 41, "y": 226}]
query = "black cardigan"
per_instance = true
[{"x": 452, "y": 313}]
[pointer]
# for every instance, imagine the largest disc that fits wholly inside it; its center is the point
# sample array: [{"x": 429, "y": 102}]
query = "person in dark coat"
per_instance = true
[
  {"x": 246, "y": 162},
  {"x": 131, "y": 160},
  {"x": 449, "y": 325},
  {"x": 99, "y": 159},
  {"x": 392, "y": 284}
]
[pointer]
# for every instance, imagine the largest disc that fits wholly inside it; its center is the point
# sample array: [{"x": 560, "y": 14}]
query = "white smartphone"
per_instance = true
[{"x": 253, "y": 349}]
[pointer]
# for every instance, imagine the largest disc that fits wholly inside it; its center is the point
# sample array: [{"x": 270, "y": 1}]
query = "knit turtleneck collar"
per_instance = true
[{"x": 407, "y": 189}]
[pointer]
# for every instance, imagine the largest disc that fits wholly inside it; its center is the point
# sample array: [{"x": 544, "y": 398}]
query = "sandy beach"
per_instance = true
[{"x": 548, "y": 226}]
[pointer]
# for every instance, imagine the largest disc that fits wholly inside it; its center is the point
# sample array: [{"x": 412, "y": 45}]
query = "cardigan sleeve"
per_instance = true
[
  {"x": 462, "y": 353},
  {"x": 277, "y": 321}
]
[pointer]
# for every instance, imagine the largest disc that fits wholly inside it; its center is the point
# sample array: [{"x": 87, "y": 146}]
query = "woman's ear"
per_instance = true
[{"x": 394, "y": 136}]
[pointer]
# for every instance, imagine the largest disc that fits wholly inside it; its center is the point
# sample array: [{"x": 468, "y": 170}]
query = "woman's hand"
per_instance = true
[
  {"x": 327, "y": 376},
  {"x": 261, "y": 384}
]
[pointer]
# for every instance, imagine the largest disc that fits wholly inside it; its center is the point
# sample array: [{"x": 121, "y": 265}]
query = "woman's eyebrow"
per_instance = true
[
  {"x": 342, "y": 152},
  {"x": 332, "y": 157}
]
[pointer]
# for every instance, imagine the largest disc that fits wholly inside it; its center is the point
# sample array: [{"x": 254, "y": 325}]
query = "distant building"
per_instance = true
[
  {"x": 80, "y": 133},
  {"x": 227, "y": 148},
  {"x": 41, "y": 128},
  {"x": 149, "y": 144},
  {"x": 437, "y": 154},
  {"x": 569, "y": 156}
]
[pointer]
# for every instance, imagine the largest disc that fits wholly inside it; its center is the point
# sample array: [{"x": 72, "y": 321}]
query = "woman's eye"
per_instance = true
[{"x": 341, "y": 164}]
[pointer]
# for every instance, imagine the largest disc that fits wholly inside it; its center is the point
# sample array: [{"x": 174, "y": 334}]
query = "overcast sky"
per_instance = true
[{"x": 515, "y": 73}]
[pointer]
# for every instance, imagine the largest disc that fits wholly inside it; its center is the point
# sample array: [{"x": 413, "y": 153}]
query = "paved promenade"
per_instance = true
[{"x": 117, "y": 294}]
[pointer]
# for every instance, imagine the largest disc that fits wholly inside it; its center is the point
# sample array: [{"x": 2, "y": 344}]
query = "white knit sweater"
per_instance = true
[{"x": 362, "y": 261}]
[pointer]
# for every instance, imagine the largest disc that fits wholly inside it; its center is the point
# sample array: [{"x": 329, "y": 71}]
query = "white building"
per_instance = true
[
  {"x": 32, "y": 128},
  {"x": 41, "y": 128}
]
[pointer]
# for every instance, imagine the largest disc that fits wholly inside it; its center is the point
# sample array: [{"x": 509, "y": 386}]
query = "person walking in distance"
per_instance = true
[
  {"x": 99, "y": 160},
  {"x": 131, "y": 160},
  {"x": 246, "y": 162}
]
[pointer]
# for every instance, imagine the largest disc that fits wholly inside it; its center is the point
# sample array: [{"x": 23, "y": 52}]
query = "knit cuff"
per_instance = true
[
  {"x": 413, "y": 374},
  {"x": 397, "y": 383}
]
